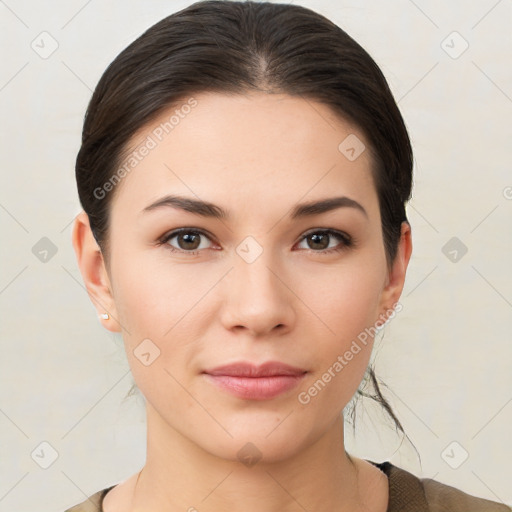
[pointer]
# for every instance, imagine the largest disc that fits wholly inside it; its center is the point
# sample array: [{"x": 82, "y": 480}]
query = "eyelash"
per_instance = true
[{"x": 347, "y": 241}]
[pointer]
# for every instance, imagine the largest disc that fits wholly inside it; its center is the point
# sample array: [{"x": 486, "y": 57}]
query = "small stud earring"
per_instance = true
[{"x": 105, "y": 316}]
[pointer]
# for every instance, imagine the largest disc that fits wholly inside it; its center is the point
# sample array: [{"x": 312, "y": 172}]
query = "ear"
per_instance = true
[
  {"x": 396, "y": 276},
  {"x": 92, "y": 267}
]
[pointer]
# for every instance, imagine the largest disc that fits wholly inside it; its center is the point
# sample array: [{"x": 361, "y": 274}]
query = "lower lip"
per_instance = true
[{"x": 256, "y": 388}]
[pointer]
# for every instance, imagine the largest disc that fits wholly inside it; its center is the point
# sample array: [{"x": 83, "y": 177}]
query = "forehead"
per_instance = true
[{"x": 247, "y": 149}]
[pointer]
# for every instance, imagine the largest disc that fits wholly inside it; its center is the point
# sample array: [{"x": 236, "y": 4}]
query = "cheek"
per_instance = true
[
  {"x": 152, "y": 295},
  {"x": 347, "y": 302},
  {"x": 164, "y": 311},
  {"x": 346, "y": 309}
]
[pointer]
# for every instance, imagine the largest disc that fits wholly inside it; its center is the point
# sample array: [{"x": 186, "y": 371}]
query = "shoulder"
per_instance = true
[
  {"x": 407, "y": 492},
  {"x": 442, "y": 497},
  {"x": 92, "y": 503}
]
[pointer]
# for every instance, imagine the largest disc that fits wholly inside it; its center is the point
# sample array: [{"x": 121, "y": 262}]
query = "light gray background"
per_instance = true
[{"x": 446, "y": 357}]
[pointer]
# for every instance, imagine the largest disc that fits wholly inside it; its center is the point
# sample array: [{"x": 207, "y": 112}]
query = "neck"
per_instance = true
[{"x": 180, "y": 475}]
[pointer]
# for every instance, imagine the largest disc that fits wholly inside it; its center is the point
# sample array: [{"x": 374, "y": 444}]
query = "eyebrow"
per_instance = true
[{"x": 207, "y": 209}]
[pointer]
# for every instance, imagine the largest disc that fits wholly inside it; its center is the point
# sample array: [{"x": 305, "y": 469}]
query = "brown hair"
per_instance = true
[{"x": 233, "y": 47}]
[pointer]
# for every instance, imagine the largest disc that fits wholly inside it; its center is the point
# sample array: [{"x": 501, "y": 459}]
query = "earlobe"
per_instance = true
[
  {"x": 92, "y": 267},
  {"x": 396, "y": 277}
]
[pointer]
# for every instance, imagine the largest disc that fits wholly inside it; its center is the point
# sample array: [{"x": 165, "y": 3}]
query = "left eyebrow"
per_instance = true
[
  {"x": 326, "y": 205},
  {"x": 207, "y": 209}
]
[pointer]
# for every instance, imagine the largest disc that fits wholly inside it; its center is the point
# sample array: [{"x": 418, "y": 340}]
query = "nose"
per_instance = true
[{"x": 257, "y": 298}]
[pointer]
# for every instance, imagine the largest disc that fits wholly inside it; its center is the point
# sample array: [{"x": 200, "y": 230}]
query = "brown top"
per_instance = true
[{"x": 407, "y": 493}]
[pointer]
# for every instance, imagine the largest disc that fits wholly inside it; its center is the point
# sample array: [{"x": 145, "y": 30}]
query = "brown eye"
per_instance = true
[
  {"x": 187, "y": 240},
  {"x": 320, "y": 241}
]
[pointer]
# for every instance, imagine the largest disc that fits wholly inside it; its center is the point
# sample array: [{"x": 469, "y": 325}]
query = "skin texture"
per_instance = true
[{"x": 257, "y": 156}]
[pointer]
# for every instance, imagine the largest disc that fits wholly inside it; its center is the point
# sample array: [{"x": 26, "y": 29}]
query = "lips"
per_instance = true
[
  {"x": 245, "y": 369},
  {"x": 251, "y": 382}
]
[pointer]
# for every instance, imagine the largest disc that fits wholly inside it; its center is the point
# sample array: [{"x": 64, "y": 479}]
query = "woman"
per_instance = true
[{"x": 244, "y": 172}]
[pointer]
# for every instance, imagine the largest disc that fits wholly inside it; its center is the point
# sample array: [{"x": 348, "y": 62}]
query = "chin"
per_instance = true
[
  {"x": 254, "y": 450},
  {"x": 267, "y": 441}
]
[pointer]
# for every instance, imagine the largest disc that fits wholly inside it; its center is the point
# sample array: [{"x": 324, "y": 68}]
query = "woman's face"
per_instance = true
[{"x": 258, "y": 284}]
